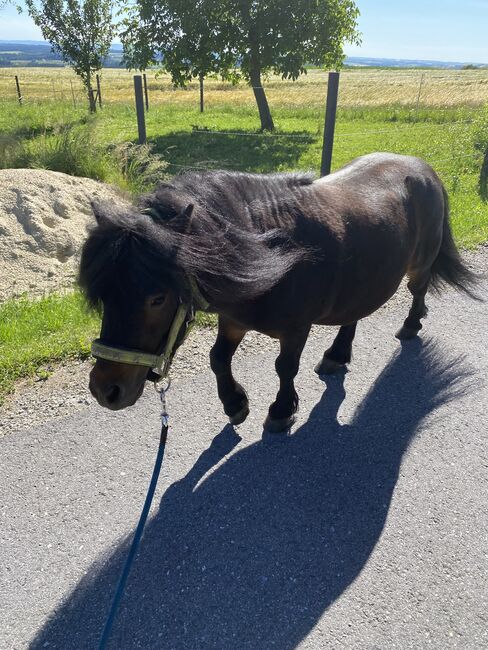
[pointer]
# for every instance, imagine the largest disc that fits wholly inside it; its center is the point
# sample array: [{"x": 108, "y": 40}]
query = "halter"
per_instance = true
[{"x": 178, "y": 331}]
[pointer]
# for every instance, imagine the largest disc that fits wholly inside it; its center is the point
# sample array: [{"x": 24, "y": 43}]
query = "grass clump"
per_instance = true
[
  {"x": 72, "y": 151},
  {"x": 140, "y": 168}
]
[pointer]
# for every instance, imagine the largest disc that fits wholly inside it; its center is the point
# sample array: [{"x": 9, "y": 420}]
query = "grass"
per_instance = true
[
  {"x": 35, "y": 333},
  {"x": 378, "y": 111}
]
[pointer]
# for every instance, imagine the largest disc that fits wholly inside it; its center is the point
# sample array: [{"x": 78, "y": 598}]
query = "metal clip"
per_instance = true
[{"x": 162, "y": 386}]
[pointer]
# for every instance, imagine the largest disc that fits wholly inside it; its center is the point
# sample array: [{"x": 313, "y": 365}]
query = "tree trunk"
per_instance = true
[
  {"x": 255, "y": 75},
  {"x": 91, "y": 96},
  {"x": 267, "y": 123},
  {"x": 200, "y": 78}
]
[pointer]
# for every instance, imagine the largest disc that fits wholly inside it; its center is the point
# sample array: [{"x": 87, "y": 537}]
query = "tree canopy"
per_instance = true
[
  {"x": 190, "y": 37},
  {"x": 247, "y": 38}
]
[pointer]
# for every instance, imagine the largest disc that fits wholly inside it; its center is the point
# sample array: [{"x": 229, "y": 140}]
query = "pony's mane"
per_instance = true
[
  {"x": 198, "y": 226},
  {"x": 227, "y": 195}
]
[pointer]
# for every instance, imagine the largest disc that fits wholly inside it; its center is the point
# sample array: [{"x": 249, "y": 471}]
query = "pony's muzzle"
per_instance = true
[{"x": 112, "y": 389}]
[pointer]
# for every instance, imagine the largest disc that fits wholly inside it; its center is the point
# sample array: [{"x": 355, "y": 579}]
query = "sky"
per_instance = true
[{"x": 440, "y": 30}]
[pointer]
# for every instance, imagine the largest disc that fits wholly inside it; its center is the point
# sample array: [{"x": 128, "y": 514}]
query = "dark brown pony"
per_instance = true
[{"x": 273, "y": 253}]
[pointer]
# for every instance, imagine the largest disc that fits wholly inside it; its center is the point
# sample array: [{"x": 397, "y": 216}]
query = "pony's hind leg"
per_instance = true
[
  {"x": 282, "y": 412},
  {"x": 340, "y": 351},
  {"x": 231, "y": 394},
  {"x": 412, "y": 325}
]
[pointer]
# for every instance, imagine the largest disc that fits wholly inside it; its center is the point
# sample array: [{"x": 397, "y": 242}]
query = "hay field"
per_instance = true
[{"x": 367, "y": 88}]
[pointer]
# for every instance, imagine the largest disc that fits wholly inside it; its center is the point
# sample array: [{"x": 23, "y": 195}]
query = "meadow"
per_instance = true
[{"x": 439, "y": 115}]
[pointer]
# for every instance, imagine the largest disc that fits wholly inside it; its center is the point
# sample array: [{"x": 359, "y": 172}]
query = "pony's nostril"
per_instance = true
[{"x": 112, "y": 394}]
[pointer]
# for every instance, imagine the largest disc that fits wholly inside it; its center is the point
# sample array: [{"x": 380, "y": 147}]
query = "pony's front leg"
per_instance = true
[
  {"x": 282, "y": 412},
  {"x": 231, "y": 394}
]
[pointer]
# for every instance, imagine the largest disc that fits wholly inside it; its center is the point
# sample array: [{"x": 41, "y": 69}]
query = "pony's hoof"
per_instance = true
[
  {"x": 405, "y": 333},
  {"x": 240, "y": 416},
  {"x": 328, "y": 367},
  {"x": 277, "y": 426}
]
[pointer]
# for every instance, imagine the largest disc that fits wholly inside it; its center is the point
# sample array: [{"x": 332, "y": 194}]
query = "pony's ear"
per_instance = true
[
  {"x": 188, "y": 211},
  {"x": 99, "y": 212},
  {"x": 186, "y": 218}
]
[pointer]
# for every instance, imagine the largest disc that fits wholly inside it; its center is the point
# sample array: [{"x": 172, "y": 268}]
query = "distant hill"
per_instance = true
[
  {"x": 38, "y": 53},
  {"x": 360, "y": 61},
  {"x": 14, "y": 54}
]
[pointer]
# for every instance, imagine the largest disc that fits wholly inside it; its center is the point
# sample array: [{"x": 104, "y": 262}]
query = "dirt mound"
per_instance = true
[{"x": 43, "y": 220}]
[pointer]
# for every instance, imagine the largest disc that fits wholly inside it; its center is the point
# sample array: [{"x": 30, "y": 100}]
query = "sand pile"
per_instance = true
[{"x": 43, "y": 220}]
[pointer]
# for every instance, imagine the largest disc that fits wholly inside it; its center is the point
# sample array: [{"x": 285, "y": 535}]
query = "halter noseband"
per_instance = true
[{"x": 179, "y": 330}]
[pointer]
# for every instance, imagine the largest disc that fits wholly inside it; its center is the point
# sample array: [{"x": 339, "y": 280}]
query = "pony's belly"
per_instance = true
[{"x": 351, "y": 309}]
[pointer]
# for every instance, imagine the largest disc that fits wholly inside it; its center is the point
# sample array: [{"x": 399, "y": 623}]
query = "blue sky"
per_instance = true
[{"x": 444, "y": 30}]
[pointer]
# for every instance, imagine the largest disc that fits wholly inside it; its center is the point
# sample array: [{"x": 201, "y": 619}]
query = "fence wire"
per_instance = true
[{"x": 356, "y": 91}]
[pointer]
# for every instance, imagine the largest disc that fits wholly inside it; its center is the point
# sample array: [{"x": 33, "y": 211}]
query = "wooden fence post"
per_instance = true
[
  {"x": 19, "y": 94},
  {"x": 99, "y": 92},
  {"x": 330, "y": 119},
  {"x": 141, "y": 122},
  {"x": 92, "y": 101},
  {"x": 146, "y": 96},
  {"x": 200, "y": 78}
]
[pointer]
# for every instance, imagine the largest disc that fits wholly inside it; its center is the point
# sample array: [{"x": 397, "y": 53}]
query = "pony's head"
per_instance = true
[{"x": 128, "y": 271}]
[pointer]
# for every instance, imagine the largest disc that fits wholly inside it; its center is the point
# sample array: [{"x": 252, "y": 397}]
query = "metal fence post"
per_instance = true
[
  {"x": 201, "y": 92},
  {"x": 330, "y": 119},
  {"x": 19, "y": 94},
  {"x": 141, "y": 122},
  {"x": 146, "y": 96},
  {"x": 99, "y": 92}
]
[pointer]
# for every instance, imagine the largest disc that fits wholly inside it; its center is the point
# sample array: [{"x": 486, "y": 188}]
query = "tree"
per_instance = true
[
  {"x": 190, "y": 37},
  {"x": 80, "y": 30},
  {"x": 255, "y": 36},
  {"x": 283, "y": 36}
]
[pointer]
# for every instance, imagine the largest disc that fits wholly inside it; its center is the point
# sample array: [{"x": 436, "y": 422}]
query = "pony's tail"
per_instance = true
[{"x": 449, "y": 267}]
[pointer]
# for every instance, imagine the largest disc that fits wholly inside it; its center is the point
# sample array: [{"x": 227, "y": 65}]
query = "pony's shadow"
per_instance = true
[{"x": 252, "y": 554}]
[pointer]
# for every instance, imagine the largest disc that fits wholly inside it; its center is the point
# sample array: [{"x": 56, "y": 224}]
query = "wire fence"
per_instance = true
[{"x": 407, "y": 89}]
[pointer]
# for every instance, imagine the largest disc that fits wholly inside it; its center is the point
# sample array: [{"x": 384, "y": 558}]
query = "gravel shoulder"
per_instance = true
[{"x": 65, "y": 390}]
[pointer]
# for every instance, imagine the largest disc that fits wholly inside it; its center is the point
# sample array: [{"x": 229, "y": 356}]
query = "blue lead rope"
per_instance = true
[{"x": 137, "y": 538}]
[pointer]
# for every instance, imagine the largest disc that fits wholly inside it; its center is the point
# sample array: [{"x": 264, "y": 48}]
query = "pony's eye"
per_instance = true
[{"x": 158, "y": 300}]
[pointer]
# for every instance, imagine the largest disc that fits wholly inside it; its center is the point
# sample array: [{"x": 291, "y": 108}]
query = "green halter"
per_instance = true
[{"x": 179, "y": 330}]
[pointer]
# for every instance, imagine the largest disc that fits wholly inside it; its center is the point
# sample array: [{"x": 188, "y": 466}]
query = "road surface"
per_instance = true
[{"x": 366, "y": 527}]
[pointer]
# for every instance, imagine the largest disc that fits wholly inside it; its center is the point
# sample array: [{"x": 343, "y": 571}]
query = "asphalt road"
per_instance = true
[{"x": 365, "y": 528}]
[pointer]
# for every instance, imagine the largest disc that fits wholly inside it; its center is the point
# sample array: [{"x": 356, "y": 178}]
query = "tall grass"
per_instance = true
[
  {"x": 76, "y": 149},
  {"x": 358, "y": 87}
]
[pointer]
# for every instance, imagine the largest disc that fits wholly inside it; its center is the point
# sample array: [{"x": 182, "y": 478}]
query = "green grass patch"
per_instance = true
[
  {"x": 36, "y": 333},
  {"x": 59, "y": 137}
]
